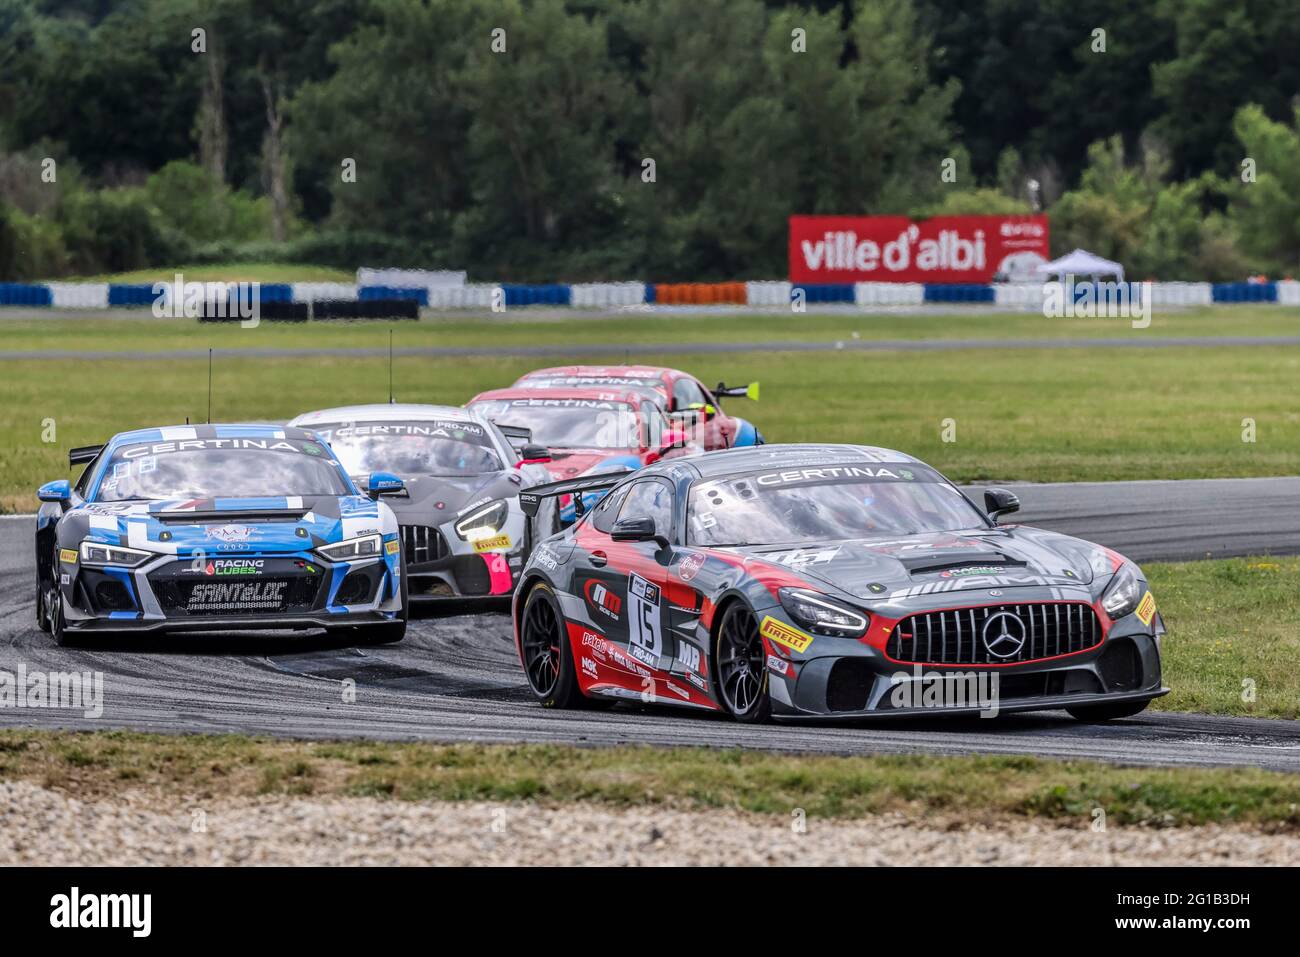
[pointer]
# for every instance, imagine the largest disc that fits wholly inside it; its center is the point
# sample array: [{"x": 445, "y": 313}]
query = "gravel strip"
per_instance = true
[{"x": 40, "y": 826}]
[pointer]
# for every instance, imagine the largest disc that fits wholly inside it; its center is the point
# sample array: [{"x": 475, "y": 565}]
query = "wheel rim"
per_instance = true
[
  {"x": 740, "y": 661},
  {"x": 541, "y": 646}
]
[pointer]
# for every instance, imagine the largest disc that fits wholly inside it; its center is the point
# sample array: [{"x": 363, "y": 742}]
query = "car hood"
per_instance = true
[
  {"x": 570, "y": 463},
  {"x": 274, "y": 524},
  {"x": 445, "y": 497},
  {"x": 880, "y": 569}
]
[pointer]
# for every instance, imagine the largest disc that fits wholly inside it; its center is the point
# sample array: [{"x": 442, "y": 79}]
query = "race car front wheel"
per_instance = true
[
  {"x": 388, "y": 633},
  {"x": 547, "y": 656},
  {"x": 740, "y": 666}
]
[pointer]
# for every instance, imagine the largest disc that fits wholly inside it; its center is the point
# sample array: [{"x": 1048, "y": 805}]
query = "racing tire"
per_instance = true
[
  {"x": 546, "y": 653},
  {"x": 740, "y": 666},
  {"x": 42, "y": 598},
  {"x": 388, "y": 633},
  {"x": 58, "y": 626},
  {"x": 1096, "y": 713}
]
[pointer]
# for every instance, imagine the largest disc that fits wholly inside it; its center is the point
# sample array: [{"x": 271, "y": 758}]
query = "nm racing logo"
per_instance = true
[{"x": 602, "y": 600}]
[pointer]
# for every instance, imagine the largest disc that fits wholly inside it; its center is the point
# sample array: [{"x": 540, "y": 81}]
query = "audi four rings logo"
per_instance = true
[{"x": 1004, "y": 635}]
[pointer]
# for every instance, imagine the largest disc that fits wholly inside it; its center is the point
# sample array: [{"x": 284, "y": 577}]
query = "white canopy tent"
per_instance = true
[{"x": 1081, "y": 263}]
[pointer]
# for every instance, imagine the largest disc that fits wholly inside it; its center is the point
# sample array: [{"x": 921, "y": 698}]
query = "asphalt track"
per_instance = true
[
  {"x": 455, "y": 678},
  {"x": 672, "y": 348}
]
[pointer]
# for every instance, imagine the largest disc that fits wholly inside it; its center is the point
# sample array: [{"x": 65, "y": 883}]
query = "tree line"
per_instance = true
[{"x": 656, "y": 139}]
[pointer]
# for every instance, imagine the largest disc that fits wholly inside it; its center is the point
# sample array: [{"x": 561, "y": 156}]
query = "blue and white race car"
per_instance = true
[{"x": 218, "y": 528}]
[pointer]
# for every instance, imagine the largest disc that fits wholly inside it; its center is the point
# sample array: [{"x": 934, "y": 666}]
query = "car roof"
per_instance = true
[
  {"x": 593, "y": 394},
  {"x": 755, "y": 458},
  {"x": 220, "y": 430},
  {"x": 385, "y": 412}
]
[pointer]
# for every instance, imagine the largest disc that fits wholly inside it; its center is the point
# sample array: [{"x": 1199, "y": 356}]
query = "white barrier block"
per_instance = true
[
  {"x": 79, "y": 295},
  {"x": 888, "y": 293},
  {"x": 606, "y": 295},
  {"x": 318, "y": 291},
  {"x": 767, "y": 293},
  {"x": 468, "y": 296},
  {"x": 1288, "y": 292},
  {"x": 410, "y": 277}
]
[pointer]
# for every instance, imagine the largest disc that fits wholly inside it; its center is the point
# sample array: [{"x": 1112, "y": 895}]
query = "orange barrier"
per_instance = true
[{"x": 700, "y": 293}]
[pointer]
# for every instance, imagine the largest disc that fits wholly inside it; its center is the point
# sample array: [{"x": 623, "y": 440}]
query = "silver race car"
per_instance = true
[{"x": 462, "y": 531}]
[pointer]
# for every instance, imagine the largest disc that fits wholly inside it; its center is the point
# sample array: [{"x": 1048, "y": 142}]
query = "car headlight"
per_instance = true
[
  {"x": 1122, "y": 595},
  {"x": 821, "y": 615},
  {"x": 96, "y": 553},
  {"x": 483, "y": 522},
  {"x": 368, "y": 546}
]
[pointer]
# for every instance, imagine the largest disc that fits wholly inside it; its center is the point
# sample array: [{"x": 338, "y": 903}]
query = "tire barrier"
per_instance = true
[
  {"x": 614, "y": 295},
  {"x": 1245, "y": 292},
  {"x": 768, "y": 293},
  {"x": 405, "y": 308},
  {"x": 958, "y": 292},
  {"x": 699, "y": 293},
  {"x": 822, "y": 292},
  {"x": 25, "y": 294},
  {"x": 606, "y": 295},
  {"x": 552, "y": 295},
  {"x": 888, "y": 293},
  {"x": 419, "y": 294}
]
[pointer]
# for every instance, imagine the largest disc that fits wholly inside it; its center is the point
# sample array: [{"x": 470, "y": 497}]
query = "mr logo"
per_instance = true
[{"x": 74, "y": 910}]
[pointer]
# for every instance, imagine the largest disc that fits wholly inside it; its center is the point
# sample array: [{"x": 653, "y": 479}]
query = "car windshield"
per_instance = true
[
  {"x": 221, "y": 468},
  {"x": 425, "y": 447},
  {"x": 568, "y": 423},
  {"x": 826, "y": 503}
]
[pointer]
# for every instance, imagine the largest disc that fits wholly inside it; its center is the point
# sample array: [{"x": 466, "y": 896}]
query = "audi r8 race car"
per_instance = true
[
  {"x": 462, "y": 531},
  {"x": 683, "y": 398},
  {"x": 827, "y": 582},
  {"x": 217, "y": 528}
]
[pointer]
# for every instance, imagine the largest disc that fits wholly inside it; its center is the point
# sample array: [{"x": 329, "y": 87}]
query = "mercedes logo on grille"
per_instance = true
[{"x": 1004, "y": 635}]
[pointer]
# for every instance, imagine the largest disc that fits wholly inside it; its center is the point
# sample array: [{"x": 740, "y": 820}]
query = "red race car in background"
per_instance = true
[
  {"x": 586, "y": 429},
  {"x": 685, "y": 400}
]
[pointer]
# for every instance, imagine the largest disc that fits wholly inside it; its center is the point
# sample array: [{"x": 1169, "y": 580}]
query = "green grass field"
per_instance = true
[
  {"x": 963, "y": 791},
  {"x": 138, "y": 331},
  {"x": 1234, "y": 635},
  {"x": 1040, "y": 415},
  {"x": 228, "y": 272}
]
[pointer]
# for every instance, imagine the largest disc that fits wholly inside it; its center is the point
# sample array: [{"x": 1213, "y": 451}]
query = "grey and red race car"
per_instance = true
[
  {"x": 826, "y": 582},
  {"x": 685, "y": 400}
]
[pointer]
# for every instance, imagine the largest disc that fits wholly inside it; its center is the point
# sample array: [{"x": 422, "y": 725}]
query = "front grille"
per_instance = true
[
  {"x": 421, "y": 544},
  {"x": 957, "y": 637},
  {"x": 201, "y": 598}
]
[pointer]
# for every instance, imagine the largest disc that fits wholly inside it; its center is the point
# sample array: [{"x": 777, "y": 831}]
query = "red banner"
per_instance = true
[{"x": 898, "y": 249}]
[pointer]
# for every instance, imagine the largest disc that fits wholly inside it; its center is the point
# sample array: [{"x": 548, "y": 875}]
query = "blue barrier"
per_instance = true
[
  {"x": 958, "y": 292},
  {"x": 825, "y": 291},
  {"x": 1244, "y": 292},
  {"x": 131, "y": 294},
  {"x": 25, "y": 294},
  {"x": 650, "y": 292},
  {"x": 369, "y": 293},
  {"x": 275, "y": 292},
  {"x": 553, "y": 294}
]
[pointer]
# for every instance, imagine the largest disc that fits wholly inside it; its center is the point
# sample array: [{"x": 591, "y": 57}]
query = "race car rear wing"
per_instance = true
[
  {"x": 530, "y": 500},
  {"x": 516, "y": 435},
  {"x": 723, "y": 391},
  {"x": 84, "y": 454}
]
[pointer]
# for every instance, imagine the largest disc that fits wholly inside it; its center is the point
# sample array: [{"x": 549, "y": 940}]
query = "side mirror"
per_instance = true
[
  {"x": 59, "y": 490},
  {"x": 534, "y": 453},
  {"x": 384, "y": 483},
  {"x": 999, "y": 501},
  {"x": 669, "y": 440},
  {"x": 637, "y": 530}
]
